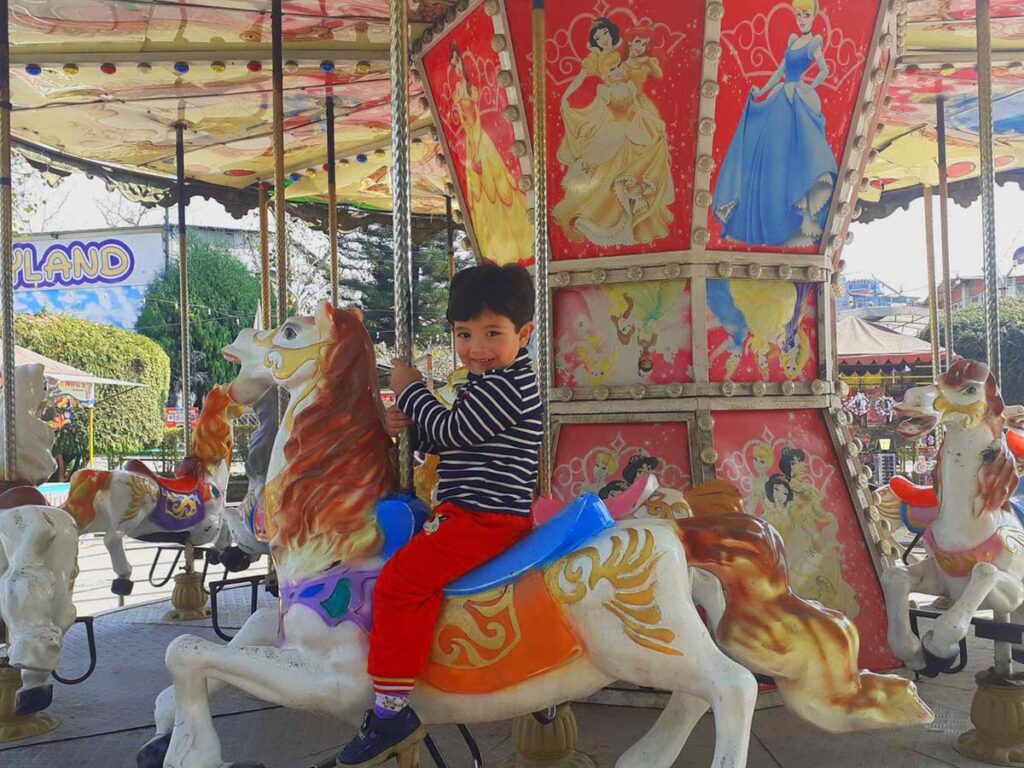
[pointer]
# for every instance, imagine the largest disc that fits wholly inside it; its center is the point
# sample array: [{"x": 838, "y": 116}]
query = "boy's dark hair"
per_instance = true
[{"x": 505, "y": 290}]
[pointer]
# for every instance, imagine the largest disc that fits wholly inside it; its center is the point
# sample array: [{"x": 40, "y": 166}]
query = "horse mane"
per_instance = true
[
  {"x": 339, "y": 460},
  {"x": 212, "y": 440}
]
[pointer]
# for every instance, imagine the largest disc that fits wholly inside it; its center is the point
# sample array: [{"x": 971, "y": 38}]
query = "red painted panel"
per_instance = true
[{"x": 785, "y": 466}]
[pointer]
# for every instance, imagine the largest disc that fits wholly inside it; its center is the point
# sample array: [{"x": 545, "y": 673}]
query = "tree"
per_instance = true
[
  {"x": 126, "y": 420},
  {"x": 969, "y": 341},
  {"x": 223, "y": 299}
]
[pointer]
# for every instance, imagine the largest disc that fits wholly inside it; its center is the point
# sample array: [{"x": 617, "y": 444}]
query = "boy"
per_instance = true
[{"x": 488, "y": 445}]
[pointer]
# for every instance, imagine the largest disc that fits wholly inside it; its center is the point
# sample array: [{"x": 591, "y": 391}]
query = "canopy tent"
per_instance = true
[
  {"x": 69, "y": 380},
  {"x": 862, "y": 344},
  {"x": 938, "y": 51}
]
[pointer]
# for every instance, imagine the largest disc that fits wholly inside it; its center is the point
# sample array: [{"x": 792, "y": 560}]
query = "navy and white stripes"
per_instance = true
[{"x": 488, "y": 442}]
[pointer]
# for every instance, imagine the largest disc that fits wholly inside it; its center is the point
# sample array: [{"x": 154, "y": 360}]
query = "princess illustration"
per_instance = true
[
  {"x": 497, "y": 207},
  {"x": 618, "y": 181},
  {"x": 777, "y": 178}
]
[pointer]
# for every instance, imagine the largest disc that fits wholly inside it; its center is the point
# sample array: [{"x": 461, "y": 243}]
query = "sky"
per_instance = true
[{"x": 892, "y": 249}]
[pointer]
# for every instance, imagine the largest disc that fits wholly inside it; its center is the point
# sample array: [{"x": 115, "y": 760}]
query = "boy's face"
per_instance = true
[{"x": 489, "y": 341}]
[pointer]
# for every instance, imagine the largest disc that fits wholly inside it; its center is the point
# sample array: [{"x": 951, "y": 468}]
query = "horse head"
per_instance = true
[
  {"x": 34, "y": 457},
  {"x": 916, "y": 415},
  {"x": 968, "y": 394}
]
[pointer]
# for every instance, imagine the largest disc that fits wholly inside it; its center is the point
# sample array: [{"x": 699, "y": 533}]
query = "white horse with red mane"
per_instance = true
[{"x": 972, "y": 533}]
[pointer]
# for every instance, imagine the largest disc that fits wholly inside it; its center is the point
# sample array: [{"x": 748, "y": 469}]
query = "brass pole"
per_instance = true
[
  {"x": 933, "y": 309},
  {"x": 401, "y": 206},
  {"x": 265, "y": 298},
  {"x": 280, "y": 213},
  {"x": 332, "y": 200},
  {"x": 540, "y": 238},
  {"x": 183, "y": 298},
  {"x": 947, "y": 289},
  {"x": 450, "y": 231}
]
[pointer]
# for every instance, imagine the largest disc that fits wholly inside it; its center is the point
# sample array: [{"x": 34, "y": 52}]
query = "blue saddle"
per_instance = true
[
  {"x": 401, "y": 517},
  {"x": 586, "y": 517}
]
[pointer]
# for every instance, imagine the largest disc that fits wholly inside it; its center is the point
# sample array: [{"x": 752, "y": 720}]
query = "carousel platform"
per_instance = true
[{"x": 106, "y": 718}]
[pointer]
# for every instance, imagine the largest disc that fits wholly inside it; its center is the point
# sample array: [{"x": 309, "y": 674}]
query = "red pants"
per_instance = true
[{"x": 407, "y": 597}]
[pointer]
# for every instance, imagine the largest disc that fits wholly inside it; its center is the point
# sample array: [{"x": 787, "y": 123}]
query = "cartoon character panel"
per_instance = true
[
  {"x": 785, "y": 466},
  {"x": 789, "y": 76},
  {"x": 622, "y": 101},
  {"x": 462, "y": 76},
  {"x": 622, "y": 334},
  {"x": 762, "y": 330},
  {"x": 606, "y": 458}
]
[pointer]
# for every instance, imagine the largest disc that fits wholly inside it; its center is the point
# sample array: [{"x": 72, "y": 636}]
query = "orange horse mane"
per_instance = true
[
  {"x": 339, "y": 460},
  {"x": 212, "y": 439}
]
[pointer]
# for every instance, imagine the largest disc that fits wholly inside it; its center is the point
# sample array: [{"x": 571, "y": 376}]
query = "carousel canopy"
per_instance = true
[
  {"x": 868, "y": 345},
  {"x": 938, "y": 58},
  {"x": 101, "y": 85},
  {"x": 69, "y": 380}
]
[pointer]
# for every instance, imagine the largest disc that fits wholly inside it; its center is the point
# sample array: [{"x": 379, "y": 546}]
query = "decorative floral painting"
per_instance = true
[
  {"x": 786, "y": 469},
  {"x": 462, "y": 76},
  {"x": 762, "y": 330},
  {"x": 626, "y": 333},
  {"x": 622, "y": 101},
  {"x": 606, "y": 458},
  {"x": 789, "y": 76}
]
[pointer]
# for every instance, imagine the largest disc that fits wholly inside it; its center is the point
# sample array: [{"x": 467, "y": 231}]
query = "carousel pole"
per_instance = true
[
  {"x": 332, "y": 200},
  {"x": 188, "y": 599},
  {"x": 450, "y": 232},
  {"x": 10, "y": 467},
  {"x": 265, "y": 299},
  {"x": 183, "y": 299},
  {"x": 998, "y": 734},
  {"x": 947, "y": 290},
  {"x": 401, "y": 204},
  {"x": 280, "y": 218},
  {"x": 933, "y": 308},
  {"x": 551, "y": 739}
]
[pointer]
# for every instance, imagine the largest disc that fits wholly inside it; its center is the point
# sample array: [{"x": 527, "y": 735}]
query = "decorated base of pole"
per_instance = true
[
  {"x": 997, "y": 712},
  {"x": 188, "y": 598},
  {"x": 551, "y": 746},
  {"x": 12, "y": 726}
]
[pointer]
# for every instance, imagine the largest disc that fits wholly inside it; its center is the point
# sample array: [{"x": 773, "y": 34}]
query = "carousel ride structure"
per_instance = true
[{"x": 610, "y": 598}]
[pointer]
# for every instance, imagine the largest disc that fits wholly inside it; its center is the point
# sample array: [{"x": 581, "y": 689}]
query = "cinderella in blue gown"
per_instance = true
[{"x": 777, "y": 178}]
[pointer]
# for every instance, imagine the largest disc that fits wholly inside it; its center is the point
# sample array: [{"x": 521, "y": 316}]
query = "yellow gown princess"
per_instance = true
[
  {"x": 618, "y": 183},
  {"x": 497, "y": 207}
]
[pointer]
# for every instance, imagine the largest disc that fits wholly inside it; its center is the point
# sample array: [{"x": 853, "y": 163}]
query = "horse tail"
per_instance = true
[{"x": 716, "y": 497}]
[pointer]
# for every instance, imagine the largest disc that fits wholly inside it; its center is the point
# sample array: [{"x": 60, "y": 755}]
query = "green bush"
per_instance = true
[{"x": 126, "y": 420}]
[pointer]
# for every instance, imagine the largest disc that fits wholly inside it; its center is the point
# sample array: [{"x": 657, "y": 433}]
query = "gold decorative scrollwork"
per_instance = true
[
  {"x": 629, "y": 568},
  {"x": 477, "y": 631},
  {"x": 143, "y": 495}
]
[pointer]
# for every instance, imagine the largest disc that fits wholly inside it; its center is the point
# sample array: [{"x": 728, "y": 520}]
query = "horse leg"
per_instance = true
[
  {"x": 113, "y": 540},
  {"x": 662, "y": 744},
  {"x": 260, "y": 629},
  {"x": 708, "y": 594},
  {"x": 1003, "y": 592},
  {"x": 897, "y": 584}
]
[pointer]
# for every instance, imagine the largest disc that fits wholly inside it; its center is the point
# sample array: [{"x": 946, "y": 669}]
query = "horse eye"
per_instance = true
[{"x": 289, "y": 333}]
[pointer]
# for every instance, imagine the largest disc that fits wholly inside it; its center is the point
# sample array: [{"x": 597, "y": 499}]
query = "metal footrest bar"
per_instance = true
[
  {"x": 216, "y": 587},
  {"x": 90, "y": 637}
]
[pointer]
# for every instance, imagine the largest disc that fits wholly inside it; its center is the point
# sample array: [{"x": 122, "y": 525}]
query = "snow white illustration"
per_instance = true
[{"x": 777, "y": 178}]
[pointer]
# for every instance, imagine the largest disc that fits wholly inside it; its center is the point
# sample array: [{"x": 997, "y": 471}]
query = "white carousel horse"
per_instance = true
[
  {"x": 973, "y": 537},
  {"x": 137, "y": 502},
  {"x": 38, "y": 551},
  {"x": 613, "y": 597}
]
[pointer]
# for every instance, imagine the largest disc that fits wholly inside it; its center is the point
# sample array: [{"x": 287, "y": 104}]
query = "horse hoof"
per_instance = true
[
  {"x": 213, "y": 557},
  {"x": 32, "y": 700},
  {"x": 122, "y": 587},
  {"x": 152, "y": 753},
  {"x": 936, "y": 665},
  {"x": 235, "y": 559}
]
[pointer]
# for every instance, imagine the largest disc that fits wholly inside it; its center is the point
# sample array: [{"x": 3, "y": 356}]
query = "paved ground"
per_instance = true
[{"x": 104, "y": 720}]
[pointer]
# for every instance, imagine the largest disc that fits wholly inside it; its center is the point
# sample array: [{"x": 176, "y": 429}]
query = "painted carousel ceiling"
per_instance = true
[
  {"x": 939, "y": 51},
  {"x": 106, "y": 81}
]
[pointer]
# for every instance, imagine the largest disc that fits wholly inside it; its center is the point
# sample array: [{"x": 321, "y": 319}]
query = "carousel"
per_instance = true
[{"x": 680, "y": 179}]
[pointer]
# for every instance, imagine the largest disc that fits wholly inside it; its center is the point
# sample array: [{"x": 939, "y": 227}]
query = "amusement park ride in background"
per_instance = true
[{"x": 699, "y": 168}]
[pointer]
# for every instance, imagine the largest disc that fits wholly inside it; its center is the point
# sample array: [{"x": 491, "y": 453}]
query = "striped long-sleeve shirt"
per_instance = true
[{"x": 488, "y": 442}]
